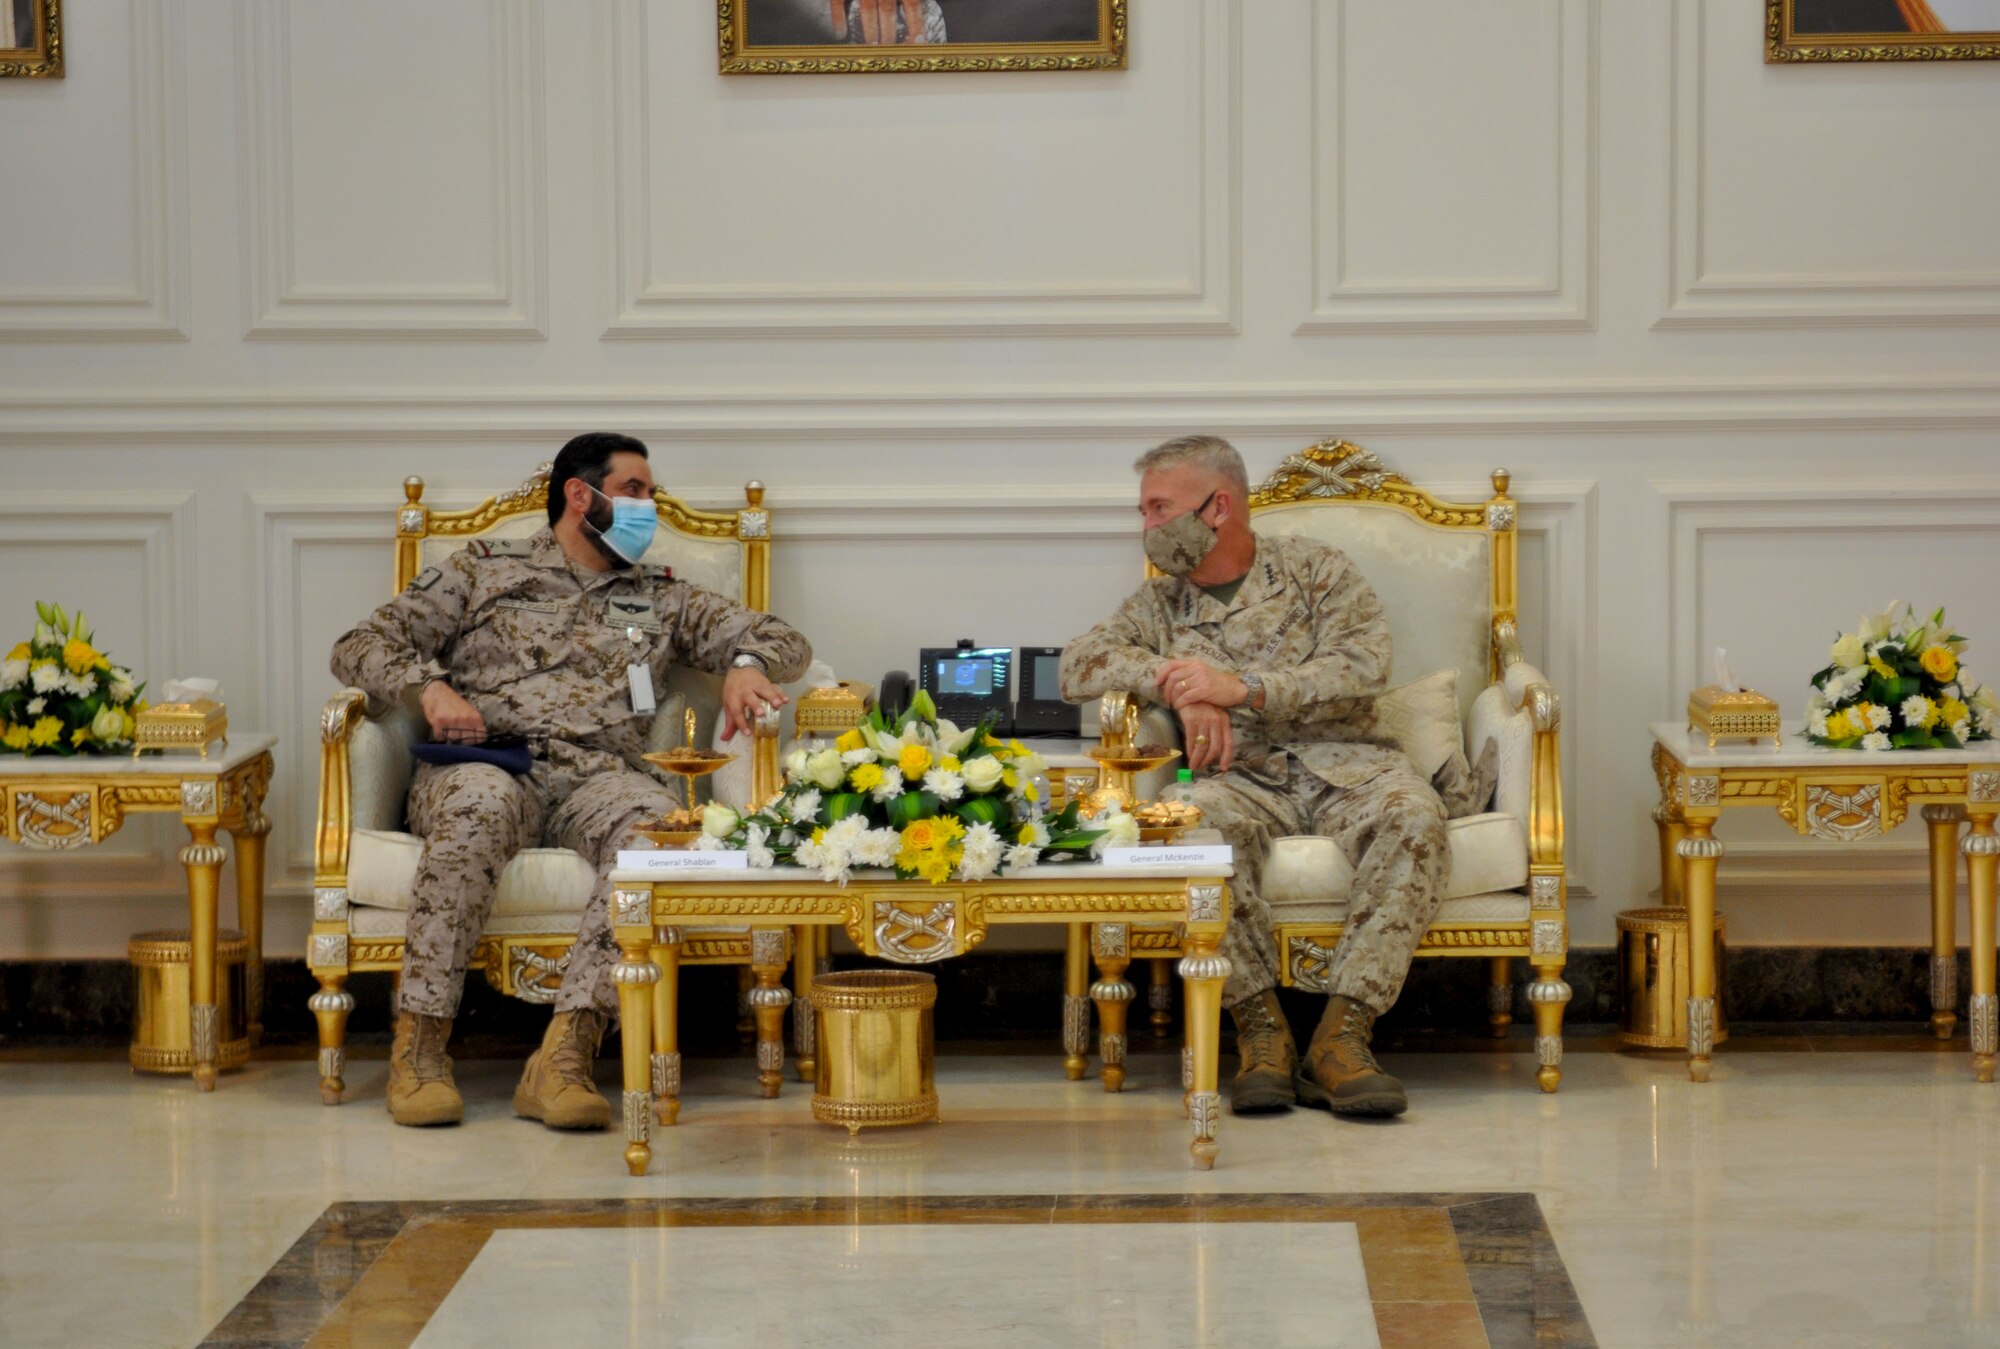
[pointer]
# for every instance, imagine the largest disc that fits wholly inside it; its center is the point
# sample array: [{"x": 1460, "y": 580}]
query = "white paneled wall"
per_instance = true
[{"x": 1733, "y": 327}]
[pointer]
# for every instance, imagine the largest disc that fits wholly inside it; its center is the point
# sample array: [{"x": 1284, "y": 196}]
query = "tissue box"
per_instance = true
[
  {"x": 1726, "y": 714},
  {"x": 832, "y": 710},
  {"x": 189, "y": 725}
]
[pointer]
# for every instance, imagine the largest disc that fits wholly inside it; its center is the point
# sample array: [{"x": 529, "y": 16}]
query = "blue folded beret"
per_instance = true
[{"x": 513, "y": 757}]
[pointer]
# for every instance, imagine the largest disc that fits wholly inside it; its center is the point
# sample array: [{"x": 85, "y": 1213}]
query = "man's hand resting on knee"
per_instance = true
[
  {"x": 452, "y": 719},
  {"x": 1210, "y": 742}
]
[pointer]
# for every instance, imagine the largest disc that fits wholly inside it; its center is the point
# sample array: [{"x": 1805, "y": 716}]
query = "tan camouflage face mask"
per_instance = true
[{"x": 1178, "y": 546}]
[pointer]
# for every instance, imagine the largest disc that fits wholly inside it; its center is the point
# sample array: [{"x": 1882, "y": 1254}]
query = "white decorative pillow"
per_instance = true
[{"x": 1420, "y": 718}]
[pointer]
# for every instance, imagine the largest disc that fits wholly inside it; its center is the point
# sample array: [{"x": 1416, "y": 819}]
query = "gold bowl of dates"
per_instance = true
[
  {"x": 1133, "y": 760},
  {"x": 1165, "y": 821},
  {"x": 675, "y": 829},
  {"x": 688, "y": 761}
]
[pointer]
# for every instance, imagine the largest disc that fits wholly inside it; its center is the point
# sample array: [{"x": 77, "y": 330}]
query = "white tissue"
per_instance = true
[
  {"x": 187, "y": 690},
  {"x": 819, "y": 675},
  {"x": 1723, "y": 674}
]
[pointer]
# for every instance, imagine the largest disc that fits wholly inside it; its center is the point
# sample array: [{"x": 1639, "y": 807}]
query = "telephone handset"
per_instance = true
[{"x": 895, "y": 694}]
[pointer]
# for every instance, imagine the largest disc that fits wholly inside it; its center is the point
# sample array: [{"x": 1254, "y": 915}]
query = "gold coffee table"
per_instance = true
[
  {"x": 53, "y": 804},
  {"x": 1839, "y": 796},
  {"x": 912, "y": 923}
]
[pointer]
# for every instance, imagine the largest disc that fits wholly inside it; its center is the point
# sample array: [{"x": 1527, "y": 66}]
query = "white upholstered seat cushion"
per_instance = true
[
  {"x": 382, "y": 874},
  {"x": 1307, "y": 878}
]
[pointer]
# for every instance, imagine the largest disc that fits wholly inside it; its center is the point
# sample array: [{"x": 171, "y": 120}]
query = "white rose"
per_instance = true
[
  {"x": 825, "y": 770},
  {"x": 1849, "y": 653},
  {"x": 718, "y": 820},
  {"x": 108, "y": 726},
  {"x": 1120, "y": 831},
  {"x": 983, "y": 773},
  {"x": 1030, "y": 765},
  {"x": 795, "y": 765}
]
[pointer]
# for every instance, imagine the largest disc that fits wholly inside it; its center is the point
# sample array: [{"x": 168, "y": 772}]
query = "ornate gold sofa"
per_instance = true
[
  {"x": 1446, "y": 575},
  {"x": 364, "y": 862}
]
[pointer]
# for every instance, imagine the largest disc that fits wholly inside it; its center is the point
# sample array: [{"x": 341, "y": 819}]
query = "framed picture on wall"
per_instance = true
[
  {"x": 860, "y": 37},
  {"x": 1881, "y": 30},
  {"x": 31, "y": 39}
]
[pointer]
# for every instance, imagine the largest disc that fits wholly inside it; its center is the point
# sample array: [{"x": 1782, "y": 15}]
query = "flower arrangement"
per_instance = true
[
  {"x": 919, "y": 795},
  {"x": 61, "y": 695},
  {"x": 1896, "y": 683}
]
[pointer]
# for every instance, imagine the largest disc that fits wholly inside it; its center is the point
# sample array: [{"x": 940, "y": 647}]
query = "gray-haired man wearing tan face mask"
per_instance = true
[{"x": 1270, "y": 651}]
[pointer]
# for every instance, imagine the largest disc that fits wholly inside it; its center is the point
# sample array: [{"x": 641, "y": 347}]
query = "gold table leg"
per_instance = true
[
  {"x": 203, "y": 860},
  {"x": 1202, "y": 972},
  {"x": 805, "y": 963},
  {"x": 770, "y": 952},
  {"x": 1672, "y": 829},
  {"x": 1942, "y": 823},
  {"x": 635, "y": 974},
  {"x": 248, "y": 839},
  {"x": 1699, "y": 853},
  {"x": 666, "y": 1056},
  {"x": 1076, "y": 1001},
  {"x": 1110, "y": 943},
  {"x": 1982, "y": 862}
]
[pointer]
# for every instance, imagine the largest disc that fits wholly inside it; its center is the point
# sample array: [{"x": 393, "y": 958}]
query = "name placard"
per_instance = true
[
  {"x": 681, "y": 860},
  {"x": 1190, "y": 855}
]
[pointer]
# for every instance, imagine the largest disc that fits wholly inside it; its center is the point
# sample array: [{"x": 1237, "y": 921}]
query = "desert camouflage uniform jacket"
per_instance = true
[
  {"x": 1305, "y": 619},
  {"x": 541, "y": 647}
]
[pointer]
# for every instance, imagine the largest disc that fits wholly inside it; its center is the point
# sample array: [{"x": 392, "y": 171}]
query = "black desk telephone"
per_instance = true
[{"x": 968, "y": 683}]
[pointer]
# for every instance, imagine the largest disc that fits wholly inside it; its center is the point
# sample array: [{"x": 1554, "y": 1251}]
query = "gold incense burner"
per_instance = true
[
  {"x": 1725, "y": 714},
  {"x": 1120, "y": 756},
  {"x": 194, "y": 725},
  {"x": 680, "y": 828}
]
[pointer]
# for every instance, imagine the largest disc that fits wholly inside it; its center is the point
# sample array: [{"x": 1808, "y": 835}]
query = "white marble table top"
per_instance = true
[
  {"x": 180, "y": 763},
  {"x": 871, "y": 875},
  {"x": 1691, "y": 748}
]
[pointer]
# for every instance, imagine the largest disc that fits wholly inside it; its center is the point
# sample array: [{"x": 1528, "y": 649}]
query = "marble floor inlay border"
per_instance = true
[{"x": 1444, "y": 1270}]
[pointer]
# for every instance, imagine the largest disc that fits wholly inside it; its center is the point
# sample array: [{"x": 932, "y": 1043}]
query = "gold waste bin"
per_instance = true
[
  {"x": 1655, "y": 974},
  {"x": 162, "y": 1039},
  {"x": 876, "y": 1050}
]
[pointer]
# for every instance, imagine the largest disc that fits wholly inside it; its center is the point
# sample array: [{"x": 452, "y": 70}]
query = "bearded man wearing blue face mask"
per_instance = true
[
  {"x": 558, "y": 641},
  {"x": 1270, "y": 652}
]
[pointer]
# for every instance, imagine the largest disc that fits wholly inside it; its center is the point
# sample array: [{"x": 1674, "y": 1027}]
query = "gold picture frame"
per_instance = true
[
  {"x": 41, "y": 57},
  {"x": 1908, "y": 30},
  {"x": 786, "y": 45}
]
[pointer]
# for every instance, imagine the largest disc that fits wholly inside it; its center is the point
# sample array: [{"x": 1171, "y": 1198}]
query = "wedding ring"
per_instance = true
[{"x": 1201, "y": 740}]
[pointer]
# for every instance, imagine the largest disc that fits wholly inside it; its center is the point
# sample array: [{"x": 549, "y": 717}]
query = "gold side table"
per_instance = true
[
  {"x": 1839, "y": 796},
  {"x": 58, "y": 805}
]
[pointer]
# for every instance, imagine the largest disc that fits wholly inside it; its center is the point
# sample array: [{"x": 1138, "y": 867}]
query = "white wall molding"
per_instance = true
[
  {"x": 1560, "y": 297},
  {"x": 1698, "y": 296},
  {"x": 644, "y": 305},
  {"x": 277, "y": 416},
  {"x": 279, "y": 304},
  {"x": 161, "y": 525},
  {"x": 154, "y": 307}
]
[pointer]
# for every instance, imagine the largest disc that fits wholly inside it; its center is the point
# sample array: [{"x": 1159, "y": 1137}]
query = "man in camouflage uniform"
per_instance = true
[
  {"x": 544, "y": 639},
  {"x": 1271, "y": 651}
]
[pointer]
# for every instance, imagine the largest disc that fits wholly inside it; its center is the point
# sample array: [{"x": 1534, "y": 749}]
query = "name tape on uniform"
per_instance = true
[
  {"x": 1193, "y": 855},
  {"x": 681, "y": 860}
]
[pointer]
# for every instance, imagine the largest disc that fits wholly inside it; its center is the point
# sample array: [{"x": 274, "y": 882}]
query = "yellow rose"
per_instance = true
[
  {"x": 865, "y": 777},
  {"x": 915, "y": 761},
  {"x": 80, "y": 657},
  {"x": 21, "y": 652},
  {"x": 920, "y": 835},
  {"x": 45, "y": 732},
  {"x": 851, "y": 740},
  {"x": 1939, "y": 663},
  {"x": 15, "y": 737}
]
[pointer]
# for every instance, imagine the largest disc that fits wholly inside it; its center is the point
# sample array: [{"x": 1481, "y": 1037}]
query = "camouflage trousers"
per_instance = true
[
  {"x": 1391, "y": 828},
  {"x": 472, "y": 819}
]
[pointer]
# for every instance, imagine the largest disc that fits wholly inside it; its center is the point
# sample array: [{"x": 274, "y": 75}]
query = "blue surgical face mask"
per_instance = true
[{"x": 633, "y": 521}]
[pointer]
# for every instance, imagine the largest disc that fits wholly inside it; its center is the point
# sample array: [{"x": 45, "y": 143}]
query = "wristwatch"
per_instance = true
[
  {"x": 744, "y": 660},
  {"x": 1253, "y": 690}
]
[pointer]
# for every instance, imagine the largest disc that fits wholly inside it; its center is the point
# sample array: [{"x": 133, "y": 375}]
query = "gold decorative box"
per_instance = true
[
  {"x": 190, "y": 725},
  {"x": 1724, "y": 714},
  {"x": 832, "y": 710}
]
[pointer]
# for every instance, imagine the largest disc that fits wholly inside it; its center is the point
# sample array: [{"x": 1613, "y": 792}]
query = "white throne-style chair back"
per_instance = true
[{"x": 365, "y": 860}]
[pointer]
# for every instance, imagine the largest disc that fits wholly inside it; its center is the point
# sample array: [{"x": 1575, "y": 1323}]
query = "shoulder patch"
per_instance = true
[
  {"x": 426, "y": 578},
  {"x": 653, "y": 573},
  {"x": 500, "y": 547}
]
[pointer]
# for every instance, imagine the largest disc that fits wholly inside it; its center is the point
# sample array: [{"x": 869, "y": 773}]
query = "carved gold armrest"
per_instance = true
[
  {"x": 1528, "y": 688},
  {"x": 344, "y": 711}
]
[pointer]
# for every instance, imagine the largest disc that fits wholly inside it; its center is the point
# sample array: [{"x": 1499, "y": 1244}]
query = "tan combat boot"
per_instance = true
[
  {"x": 1264, "y": 1083},
  {"x": 421, "y": 1091},
  {"x": 556, "y": 1087},
  {"x": 1344, "y": 1076}
]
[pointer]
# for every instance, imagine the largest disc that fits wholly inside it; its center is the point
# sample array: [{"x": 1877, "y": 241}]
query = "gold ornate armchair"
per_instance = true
[
  {"x": 1446, "y": 575},
  {"x": 365, "y": 861}
]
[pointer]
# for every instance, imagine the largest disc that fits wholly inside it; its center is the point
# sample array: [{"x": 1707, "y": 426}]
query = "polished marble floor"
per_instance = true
[{"x": 1824, "y": 1199}]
